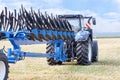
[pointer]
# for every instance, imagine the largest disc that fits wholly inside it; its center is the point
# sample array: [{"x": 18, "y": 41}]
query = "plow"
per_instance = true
[{"x": 66, "y": 36}]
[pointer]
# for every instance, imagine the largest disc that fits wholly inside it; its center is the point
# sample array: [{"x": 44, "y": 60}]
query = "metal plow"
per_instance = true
[{"x": 33, "y": 25}]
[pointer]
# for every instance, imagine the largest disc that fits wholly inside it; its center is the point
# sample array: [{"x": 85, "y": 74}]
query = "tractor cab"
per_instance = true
[{"x": 78, "y": 22}]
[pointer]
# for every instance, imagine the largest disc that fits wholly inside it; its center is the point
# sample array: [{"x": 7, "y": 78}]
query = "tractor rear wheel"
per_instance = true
[
  {"x": 4, "y": 68},
  {"x": 95, "y": 51},
  {"x": 84, "y": 52},
  {"x": 50, "y": 50}
]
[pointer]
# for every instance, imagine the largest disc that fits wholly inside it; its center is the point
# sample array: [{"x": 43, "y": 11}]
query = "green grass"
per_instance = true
[{"x": 108, "y": 67}]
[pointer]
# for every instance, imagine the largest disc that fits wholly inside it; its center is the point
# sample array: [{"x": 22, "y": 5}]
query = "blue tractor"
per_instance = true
[
  {"x": 67, "y": 38},
  {"x": 81, "y": 48}
]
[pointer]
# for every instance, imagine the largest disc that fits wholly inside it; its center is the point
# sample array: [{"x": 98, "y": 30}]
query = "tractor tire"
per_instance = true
[
  {"x": 50, "y": 50},
  {"x": 95, "y": 51},
  {"x": 84, "y": 52},
  {"x": 4, "y": 68}
]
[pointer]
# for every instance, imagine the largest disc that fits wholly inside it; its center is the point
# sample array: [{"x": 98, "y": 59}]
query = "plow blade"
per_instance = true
[{"x": 39, "y": 26}]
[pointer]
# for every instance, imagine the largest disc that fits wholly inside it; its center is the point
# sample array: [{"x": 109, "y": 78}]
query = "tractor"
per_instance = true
[
  {"x": 68, "y": 37},
  {"x": 82, "y": 48}
]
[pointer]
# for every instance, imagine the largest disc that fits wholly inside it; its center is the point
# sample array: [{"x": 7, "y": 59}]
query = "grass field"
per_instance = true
[{"x": 108, "y": 67}]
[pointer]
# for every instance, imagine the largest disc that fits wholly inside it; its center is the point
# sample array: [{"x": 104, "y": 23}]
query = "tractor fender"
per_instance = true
[{"x": 82, "y": 36}]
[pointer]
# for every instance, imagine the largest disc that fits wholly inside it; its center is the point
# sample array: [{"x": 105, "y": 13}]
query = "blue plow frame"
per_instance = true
[{"x": 15, "y": 54}]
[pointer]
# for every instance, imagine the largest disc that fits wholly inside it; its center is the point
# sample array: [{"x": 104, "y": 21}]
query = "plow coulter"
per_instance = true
[{"x": 66, "y": 36}]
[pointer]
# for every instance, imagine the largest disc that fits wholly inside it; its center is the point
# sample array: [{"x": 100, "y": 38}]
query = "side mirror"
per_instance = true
[{"x": 94, "y": 21}]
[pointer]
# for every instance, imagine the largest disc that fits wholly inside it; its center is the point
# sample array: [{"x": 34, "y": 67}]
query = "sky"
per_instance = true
[{"x": 106, "y": 12}]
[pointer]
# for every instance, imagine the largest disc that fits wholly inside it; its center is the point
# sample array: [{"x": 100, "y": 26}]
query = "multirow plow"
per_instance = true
[{"x": 40, "y": 27}]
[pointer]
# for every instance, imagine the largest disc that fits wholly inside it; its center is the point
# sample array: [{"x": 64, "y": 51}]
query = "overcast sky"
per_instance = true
[{"x": 107, "y": 12}]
